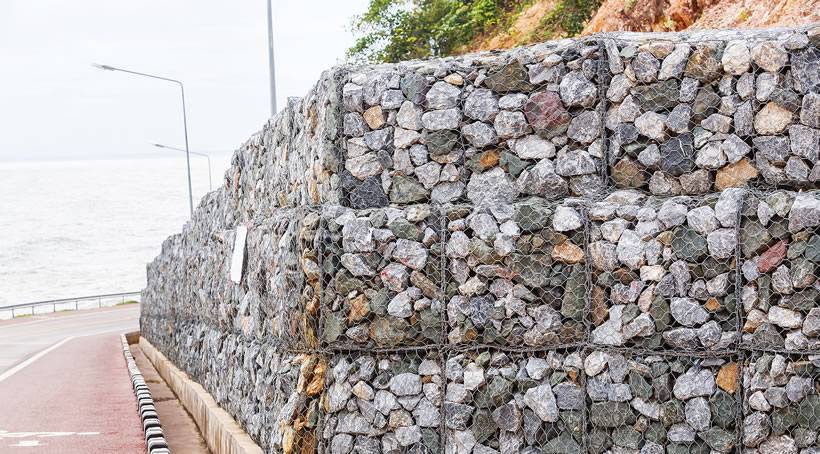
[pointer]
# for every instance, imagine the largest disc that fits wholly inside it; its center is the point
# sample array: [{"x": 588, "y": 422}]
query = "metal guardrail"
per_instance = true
[{"x": 124, "y": 296}]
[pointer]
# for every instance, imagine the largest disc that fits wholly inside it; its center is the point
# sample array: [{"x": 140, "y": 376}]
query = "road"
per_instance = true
[
  {"x": 23, "y": 337},
  {"x": 64, "y": 384}
]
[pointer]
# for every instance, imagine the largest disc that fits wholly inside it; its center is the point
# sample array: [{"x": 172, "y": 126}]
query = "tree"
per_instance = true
[{"x": 395, "y": 30}]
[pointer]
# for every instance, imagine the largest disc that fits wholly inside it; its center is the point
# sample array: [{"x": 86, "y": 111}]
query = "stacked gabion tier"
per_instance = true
[{"x": 601, "y": 245}]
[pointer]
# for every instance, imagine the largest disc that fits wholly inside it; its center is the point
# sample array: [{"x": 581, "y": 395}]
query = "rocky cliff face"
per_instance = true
[{"x": 577, "y": 245}]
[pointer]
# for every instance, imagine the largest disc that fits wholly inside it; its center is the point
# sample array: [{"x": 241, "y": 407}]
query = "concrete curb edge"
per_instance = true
[
  {"x": 221, "y": 432},
  {"x": 151, "y": 426}
]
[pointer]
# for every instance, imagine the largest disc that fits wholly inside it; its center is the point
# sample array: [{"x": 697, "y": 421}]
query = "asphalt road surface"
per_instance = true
[
  {"x": 64, "y": 385},
  {"x": 24, "y": 337}
]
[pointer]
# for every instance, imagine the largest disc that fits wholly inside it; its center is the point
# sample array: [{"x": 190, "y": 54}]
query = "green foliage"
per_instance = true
[
  {"x": 394, "y": 30},
  {"x": 568, "y": 18}
]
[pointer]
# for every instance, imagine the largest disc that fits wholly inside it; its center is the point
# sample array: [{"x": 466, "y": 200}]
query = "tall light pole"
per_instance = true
[
  {"x": 184, "y": 120},
  {"x": 270, "y": 62},
  {"x": 210, "y": 185}
]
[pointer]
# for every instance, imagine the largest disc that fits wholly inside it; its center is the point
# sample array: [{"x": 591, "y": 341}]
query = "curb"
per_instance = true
[
  {"x": 154, "y": 436},
  {"x": 221, "y": 432}
]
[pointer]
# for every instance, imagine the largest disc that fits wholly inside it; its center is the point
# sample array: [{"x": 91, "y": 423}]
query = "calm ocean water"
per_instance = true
[{"x": 75, "y": 228}]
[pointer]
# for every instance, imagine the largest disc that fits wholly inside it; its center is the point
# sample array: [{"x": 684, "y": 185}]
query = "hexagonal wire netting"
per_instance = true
[
  {"x": 485, "y": 129},
  {"x": 663, "y": 271},
  {"x": 384, "y": 402},
  {"x": 780, "y": 249},
  {"x": 691, "y": 115},
  {"x": 457, "y": 299},
  {"x": 781, "y": 403},
  {"x": 516, "y": 275}
]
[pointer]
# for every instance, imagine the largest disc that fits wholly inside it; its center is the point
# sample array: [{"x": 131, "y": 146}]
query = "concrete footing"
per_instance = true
[{"x": 220, "y": 431}]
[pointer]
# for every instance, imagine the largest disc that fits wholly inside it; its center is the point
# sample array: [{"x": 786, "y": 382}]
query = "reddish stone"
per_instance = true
[
  {"x": 770, "y": 259},
  {"x": 546, "y": 114}
]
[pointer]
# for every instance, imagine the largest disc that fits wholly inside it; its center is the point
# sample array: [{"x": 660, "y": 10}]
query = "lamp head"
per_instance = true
[{"x": 104, "y": 67}]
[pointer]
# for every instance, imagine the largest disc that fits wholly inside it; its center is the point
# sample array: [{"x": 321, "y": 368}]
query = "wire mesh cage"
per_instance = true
[
  {"x": 781, "y": 406},
  {"x": 515, "y": 274},
  {"x": 300, "y": 381},
  {"x": 381, "y": 272},
  {"x": 497, "y": 401},
  {"x": 667, "y": 403},
  {"x": 663, "y": 271},
  {"x": 690, "y": 114},
  {"x": 419, "y": 276},
  {"x": 383, "y": 402},
  {"x": 780, "y": 248},
  {"x": 484, "y": 129}
]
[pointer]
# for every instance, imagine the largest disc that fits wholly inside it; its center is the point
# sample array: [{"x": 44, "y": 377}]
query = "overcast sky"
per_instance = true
[{"x": 53, "y": 104}]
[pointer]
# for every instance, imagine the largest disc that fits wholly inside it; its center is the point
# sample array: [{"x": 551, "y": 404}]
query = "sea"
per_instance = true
[{"x": 85, "y": 227}]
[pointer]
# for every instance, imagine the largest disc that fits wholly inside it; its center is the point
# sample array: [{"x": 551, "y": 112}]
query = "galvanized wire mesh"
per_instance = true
[
  {"x": 689, "y": 114},
  {"x": 383, "y": 402},
  {"x": 780, "y": 248},
  {"x": 432, "y": 287},
  {"x": 516, "y": 274},
  {"x": 498, "y": 401},
  {"x": 781, "y": 406},
  {"x": 663, "y": 271},
  {"x": 381, "y": 273},
  {"x": 484, "y": 130}
]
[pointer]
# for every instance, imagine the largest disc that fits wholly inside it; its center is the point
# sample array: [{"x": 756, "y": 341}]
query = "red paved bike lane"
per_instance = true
[{"x": 76, "y": 399}]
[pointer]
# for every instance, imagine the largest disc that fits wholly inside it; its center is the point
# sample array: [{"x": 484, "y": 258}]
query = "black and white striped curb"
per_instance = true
[{"x": 154, "y": 436}]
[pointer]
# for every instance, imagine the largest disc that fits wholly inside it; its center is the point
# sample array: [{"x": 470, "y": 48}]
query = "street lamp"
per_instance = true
[
  {"x": 184, "y": 120},
  {"x": 271, "y": 68},
  {"x": 210, "y": 186}
]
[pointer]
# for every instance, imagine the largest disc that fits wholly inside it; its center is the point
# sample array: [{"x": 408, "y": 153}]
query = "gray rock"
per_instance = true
[
  {"x": 630, "y": 249},
  {"x": 736, "y": 58},
  {"x": 508, "y": 416},
  {"x": 722, "y": 243},
  {"x": 805, "y": 212},
  {"x": 542, "y": 401},
  {"x": 442, "y": 95},
  {"x": 532, "y": 147},
  {"x": 755, "y": 429},
  {"x": 677, "y": 155},
  {"x": 436, "y": 120},
  {"x": 698, "y": 414},
  {"x": 810, "y": 110},
  {"x": 509, "y": 125},
  {"x": 569, "y": 396},
  {"x": 694, "y": 383},
  {"x": 406, "y": 384},
  {"x": 679, "y": 118},
  {"x": 481, "y": 105},
  {"x": 586, "y": 127},
  {"x": 406, "y": 190},
  {"x": 480, "y": 134},
  {"x": 577, "y": 90},
  {"x": 491, "y": 187},
  {"x": 675, "y": 63},
  {"x": 688, "y": 312},
  {"x": 782, "y": 444},
  {"x": 645, "y": 67}
]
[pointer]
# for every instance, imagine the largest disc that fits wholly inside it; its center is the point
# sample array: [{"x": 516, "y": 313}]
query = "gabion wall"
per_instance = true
[{"x": 602, "y": 245}]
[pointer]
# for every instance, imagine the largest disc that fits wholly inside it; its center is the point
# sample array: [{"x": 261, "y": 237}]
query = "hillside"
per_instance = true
[{"x": 539, "y": 20}]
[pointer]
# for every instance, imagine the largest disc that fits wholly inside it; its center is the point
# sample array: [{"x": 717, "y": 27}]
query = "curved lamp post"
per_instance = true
[
  {"x": 184, "y": 119},
  {"x": 210, "y": 185}
]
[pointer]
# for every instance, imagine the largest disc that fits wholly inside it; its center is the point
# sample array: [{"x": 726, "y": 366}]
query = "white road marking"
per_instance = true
[
  {"x": 7, "y": 434},
  {"x": 26, "y": 444},
  {"x": 31, "y": 360}
]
